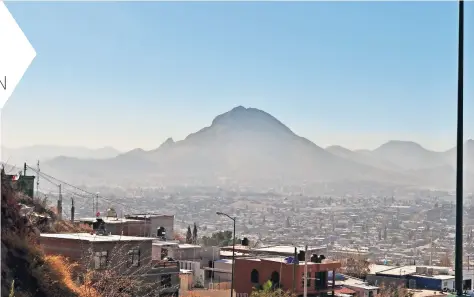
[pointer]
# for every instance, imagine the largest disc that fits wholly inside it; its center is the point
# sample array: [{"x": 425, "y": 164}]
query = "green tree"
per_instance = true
[
  {"x": 268, "y": 291},
  {"x": 195, "y": 234},
  {"x": 221, "y": 238},
  {"x": 189, "y": 235}
]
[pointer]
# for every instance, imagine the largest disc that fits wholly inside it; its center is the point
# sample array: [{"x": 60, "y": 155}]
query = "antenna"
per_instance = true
[
  {"x": 97, "y": 202},
  {"x": 37, "y": 178},
  {"x": 72, "y": 211},
  {"x": 305, "y": 284},
  {"x": 60, "y": 203}
]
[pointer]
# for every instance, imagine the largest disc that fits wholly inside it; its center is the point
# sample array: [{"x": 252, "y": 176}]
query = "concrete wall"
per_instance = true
[
  {"x": 162, "y": 221},
  {"x": 129, "y": 228},
  {"x": 187, "y": 253},
  {"x": 82, "y": 252},
  {"x": 145, "y": 228},
  {"x": 361, "y": 292},
  {"x": 223, "y": 276},
  {"x": 197, "y": 273}
]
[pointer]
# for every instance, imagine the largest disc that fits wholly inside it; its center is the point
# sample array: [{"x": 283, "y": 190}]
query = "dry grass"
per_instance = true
[
  {"x": 68, "y": 227},
  {"x": 66, "y": 270}
]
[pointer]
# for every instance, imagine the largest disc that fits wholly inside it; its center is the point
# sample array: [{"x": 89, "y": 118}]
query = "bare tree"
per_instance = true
[
  {"x": 389, "y": 291},
  {"x": 355, "y": 267},
  {"x": 445, "y": 260}
]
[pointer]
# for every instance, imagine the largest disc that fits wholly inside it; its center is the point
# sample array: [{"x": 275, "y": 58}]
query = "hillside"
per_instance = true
[
  {"x": 248, "y": 144},
  {"x": 241, "y": 144},
  {"x": 430, "y": 168},
  {"x": 31, "y": 154},
  {"x": 25, "y": 270}
]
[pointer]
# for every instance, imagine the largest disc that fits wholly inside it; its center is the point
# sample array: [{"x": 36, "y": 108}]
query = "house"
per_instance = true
[
  {"x": 125, "y": 255},
  {"x": 361, "y": 288},
  {"x": 284, "y": 273},
  {"x": 21, "y": 182},
  {"x": 419, "y": 277},
  {"x": 190, "y": 257},
  {"x": 146, "y": 225}
]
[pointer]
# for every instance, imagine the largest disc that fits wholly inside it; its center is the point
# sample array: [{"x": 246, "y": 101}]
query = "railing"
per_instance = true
[{"x": 164, "y": 264}]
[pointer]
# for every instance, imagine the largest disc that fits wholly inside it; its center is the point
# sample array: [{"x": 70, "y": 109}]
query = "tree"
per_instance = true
[
  {"x": 387, "y": 291},
  {"x": 221, "y": 238},
  {"x": 189, "y": 235},
  {"x": 445, "y": 261},
  {"x": 195, "y": 234},
  {"x": 356, "y": 267},
  {"x": 267, "y": 290}
]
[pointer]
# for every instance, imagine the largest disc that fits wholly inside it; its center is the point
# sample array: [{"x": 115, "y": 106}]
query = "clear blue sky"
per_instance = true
[{"x": 132, "y": 74}]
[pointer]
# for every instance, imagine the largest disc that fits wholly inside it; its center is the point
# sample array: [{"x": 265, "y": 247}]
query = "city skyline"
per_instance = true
[{"x": 182, "y": 64}]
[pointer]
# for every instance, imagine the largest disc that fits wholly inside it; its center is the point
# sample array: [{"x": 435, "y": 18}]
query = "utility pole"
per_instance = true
[
  {"x": 459, "y": 156},
  {"x": 60, "y": 203},
  {"x": 305, "y": 284},
  {"x": 37, "y": 178},
  {"x": 72, "y": 211},
  {"x": 431, "y": 247},
  {"x": 97, "y": 203},
  {"x": 294, "y": 269}
]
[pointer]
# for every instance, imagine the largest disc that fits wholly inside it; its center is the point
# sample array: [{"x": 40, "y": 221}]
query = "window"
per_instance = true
[
  {"x": 166, "y": 280},
  {"x": 321, "y": 280},
  {"x": 100, "y": 260},
  {"x": 134, "y": 257},
  {"x": 164, "y": 253},
  {"x": 254, "y": 277},
  {"x": 275, "y": 279},
  {"x": 308, "y": 280}
]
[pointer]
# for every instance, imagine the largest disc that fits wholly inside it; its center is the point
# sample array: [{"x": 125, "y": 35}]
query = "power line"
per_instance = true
[{"x": 82, "y": 190}]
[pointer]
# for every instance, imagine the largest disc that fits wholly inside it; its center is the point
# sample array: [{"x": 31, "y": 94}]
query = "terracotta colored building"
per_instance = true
[{"x": 252, "y": 273}]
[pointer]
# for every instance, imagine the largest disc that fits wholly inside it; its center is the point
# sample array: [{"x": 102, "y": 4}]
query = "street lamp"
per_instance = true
[
  {"x": 459, "y": 158},
  {"x": 233, "y": 252}
]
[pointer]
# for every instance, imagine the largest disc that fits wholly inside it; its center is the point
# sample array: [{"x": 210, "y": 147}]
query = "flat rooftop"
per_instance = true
[
  {"x": 109, "y": 220},
  {"x": 165, "y": 243},
  {"x": 282, "y": 260},
  {"x": 94, "y": 237},
  {"x": 288, "y": 249},
  {"x": 189, "y": 246}
]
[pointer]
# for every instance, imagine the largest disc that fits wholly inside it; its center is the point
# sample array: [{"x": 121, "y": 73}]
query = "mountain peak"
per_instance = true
[
  {"x": 398, "y": 144},
  {"x": 252, "y": 118},
  {"x": 168, "y": 143}
]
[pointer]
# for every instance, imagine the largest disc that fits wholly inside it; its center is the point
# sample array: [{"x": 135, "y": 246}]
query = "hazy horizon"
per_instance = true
[{"x": 139, "y": 73}]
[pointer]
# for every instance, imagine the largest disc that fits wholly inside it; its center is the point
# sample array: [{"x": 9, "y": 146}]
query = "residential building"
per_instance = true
[
  {"x": 146, "y": 225},
  {"x": 283, "y": 273},
  {"x": 419, "y": 277},
  {"x": 190, "y": 256},
  {"x": 125, "y": 255}
]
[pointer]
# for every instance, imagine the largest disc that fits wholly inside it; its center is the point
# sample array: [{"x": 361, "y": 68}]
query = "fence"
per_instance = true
[{"x": 220, "y": 286}]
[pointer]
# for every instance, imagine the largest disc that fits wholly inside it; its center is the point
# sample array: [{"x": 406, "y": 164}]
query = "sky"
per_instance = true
[{"x": 131, "y": 74}]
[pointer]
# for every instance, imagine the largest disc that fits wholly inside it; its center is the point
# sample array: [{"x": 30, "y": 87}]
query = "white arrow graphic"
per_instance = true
[{"x": 16, "y": 54}]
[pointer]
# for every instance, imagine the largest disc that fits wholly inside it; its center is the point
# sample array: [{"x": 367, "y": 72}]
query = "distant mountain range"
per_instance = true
[
  {"x": 249, "y": 144},
  {"x": 31, "y": 154}
]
